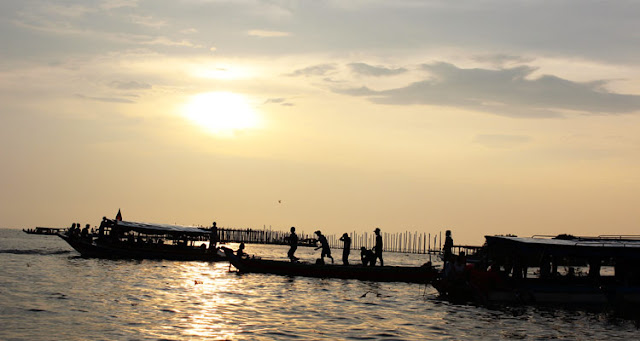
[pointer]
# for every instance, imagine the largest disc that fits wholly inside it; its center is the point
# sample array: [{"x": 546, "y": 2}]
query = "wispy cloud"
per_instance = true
[
  {"x": 507, "y": 92},
  {"x": 268, "y": 34},
  {"x": 147, "y": 21},
  {"x": 105, "y": 99},
  {"x": 114, "y": 4},
  {"x": 500, "y": 59},
  {"x": 280, "y": 101},
  {"x": 315, "y": 70},
  {"x": 130, "y": 85},
  {"x": 377, "y": 71}
]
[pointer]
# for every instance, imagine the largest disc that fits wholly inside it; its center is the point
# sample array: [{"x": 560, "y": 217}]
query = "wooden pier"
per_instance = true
[{"x": 405, "y": 242}]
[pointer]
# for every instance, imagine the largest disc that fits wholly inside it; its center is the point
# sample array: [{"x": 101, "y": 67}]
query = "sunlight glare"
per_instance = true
[{"x": 221, "y": 113}]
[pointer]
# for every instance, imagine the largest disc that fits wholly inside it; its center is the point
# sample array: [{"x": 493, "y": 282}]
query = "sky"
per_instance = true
[{"x": 484, "y": 117}]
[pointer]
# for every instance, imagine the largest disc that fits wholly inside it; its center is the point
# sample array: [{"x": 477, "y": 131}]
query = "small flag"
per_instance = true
[{"x": 119, "y": 216}]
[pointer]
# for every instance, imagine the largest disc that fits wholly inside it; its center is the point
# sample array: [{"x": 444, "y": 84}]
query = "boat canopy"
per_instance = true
[
  {"x": 578, "y": 247},
  {"x": 159, "y": 229}
]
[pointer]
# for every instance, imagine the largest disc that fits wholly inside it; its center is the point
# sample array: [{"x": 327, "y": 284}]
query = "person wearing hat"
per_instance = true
[
  {"x": 347, "y": 248},
  {"x": 377, "y": 250},
  {"x": 324, "y": 244}
]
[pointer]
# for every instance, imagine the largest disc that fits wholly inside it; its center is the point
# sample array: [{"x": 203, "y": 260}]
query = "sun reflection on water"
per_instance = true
[{"x": 208, "y": 319}]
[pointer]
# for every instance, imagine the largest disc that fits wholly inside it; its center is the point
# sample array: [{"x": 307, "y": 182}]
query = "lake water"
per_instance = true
[{"x": 48, "y": 292}]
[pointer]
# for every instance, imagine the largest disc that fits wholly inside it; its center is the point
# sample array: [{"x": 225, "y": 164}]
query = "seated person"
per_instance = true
[
  {"x": 240, "y": 252},
  {"x": 367, "y": 256}
]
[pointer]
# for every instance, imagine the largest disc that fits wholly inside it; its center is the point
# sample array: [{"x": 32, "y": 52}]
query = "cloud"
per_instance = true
[
  {"x": 274, "y": 100},
  {"x": 106, "y": 99},
  {"x": 115, "y": 4},
  {"x": 281, "y": 101},
  {"x": 501, "y": 141},
  {"x": 268, "y": 34},
  {"x": 377, "y": 71},
  {"x": 131, "y": 85},
  {"x": 508, "y": 92},
  {"x": 147, "y": 21},
  {"x": 501, "y": 59},
  {"x": 316, "y": 70}
]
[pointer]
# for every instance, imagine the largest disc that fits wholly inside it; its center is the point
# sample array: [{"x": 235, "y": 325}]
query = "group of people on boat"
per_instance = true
[
  {"x": 367, "y": 256},
  {"x": 76, "y": 232},
  {"x": 111, "y": 233}
]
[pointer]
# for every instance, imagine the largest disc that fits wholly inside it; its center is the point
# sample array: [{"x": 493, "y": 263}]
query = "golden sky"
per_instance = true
[{"x": 486, "y": 117}]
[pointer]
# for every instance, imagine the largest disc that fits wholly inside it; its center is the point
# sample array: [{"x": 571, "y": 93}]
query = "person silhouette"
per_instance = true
[
  {"x": 240, "y": 252},
  {"x": 213, "y": 237},
  {"x": 367, "y": 257},
  {"x": 448, "y": 246},
  {"x": 347, "y": 248},
  {"x": 293, "y": 245},
  {"x": 324, "y": 244},
  {"x": 377, "y": 249}
]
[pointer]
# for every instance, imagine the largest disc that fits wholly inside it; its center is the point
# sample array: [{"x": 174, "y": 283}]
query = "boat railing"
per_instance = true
[
  {"x": 620, "y": 237},
  {"x": 601, "y": 240}
]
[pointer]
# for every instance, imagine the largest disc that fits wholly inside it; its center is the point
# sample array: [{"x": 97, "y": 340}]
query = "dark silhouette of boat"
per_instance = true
[
  {"x": 134, "y": 240},
  {"x": 566, "y": 270},
  {"x": 43, "y": 230},
  {"x": 418, "y": 274}
]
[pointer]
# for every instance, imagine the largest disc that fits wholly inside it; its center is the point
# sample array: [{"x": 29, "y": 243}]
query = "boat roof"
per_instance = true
[
  {"x": 581, "y": 247},
  {"x": 149, "y": 228},
  {"x": 577, "y": 241}
]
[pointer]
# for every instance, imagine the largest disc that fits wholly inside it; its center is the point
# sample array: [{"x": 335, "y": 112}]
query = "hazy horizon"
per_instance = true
[{"x": 485, "y": 118}]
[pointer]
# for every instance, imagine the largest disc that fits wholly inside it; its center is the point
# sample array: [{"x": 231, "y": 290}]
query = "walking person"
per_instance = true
[
  {"x": 346, "y": 249},
  {"x": 324, "y": 244},
  {"x": 293, "y": 245},
  {"x": 377, "y": 250}
]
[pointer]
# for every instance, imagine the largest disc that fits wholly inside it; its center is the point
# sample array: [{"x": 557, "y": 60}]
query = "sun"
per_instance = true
[{"x": 221, "y": 113}]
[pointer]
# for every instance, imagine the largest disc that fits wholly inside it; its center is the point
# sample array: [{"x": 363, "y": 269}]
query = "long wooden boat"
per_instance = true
[
  {"x": 408, "y": 274},
  {"x": 560, "y": 270},
  {"x": 134, "y": 240},
  {"x": 49, "y": 231}
]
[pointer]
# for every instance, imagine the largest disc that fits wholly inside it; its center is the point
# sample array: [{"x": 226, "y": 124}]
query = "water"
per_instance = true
[{"x": 47, "y": 292}]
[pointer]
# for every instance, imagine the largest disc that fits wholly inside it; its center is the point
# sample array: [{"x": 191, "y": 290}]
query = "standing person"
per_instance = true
[
  {"x": 347, "y": 248},
  {"x": 324, "y": 244},
  {"x": 293, "y": 245},
  {"x": 378, "y": 248},
  {"x": 448, "y": 246},
  {"x": 213, "y": 238},
  {"x": 103, "y": 224}
]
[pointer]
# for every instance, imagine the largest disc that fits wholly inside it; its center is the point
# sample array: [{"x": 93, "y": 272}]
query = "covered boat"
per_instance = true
[
  {"x": 419, "y": 274},
  {"x": 43, "y": 230},
  {"x": 134, "y": 240},
  {"x": 560, "y": 270}
]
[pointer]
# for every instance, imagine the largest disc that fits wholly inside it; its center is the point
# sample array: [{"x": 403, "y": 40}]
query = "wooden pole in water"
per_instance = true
[
  {"x": 424, "y": 242},
  {"x": 406, "y": 240}
]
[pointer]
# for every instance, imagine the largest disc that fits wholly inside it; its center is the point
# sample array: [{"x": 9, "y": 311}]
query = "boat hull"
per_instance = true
[
  {"x": 95, "y": 249},
  {"x": 366, "y": 273},
  {"x": 535, "y": 291}
]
